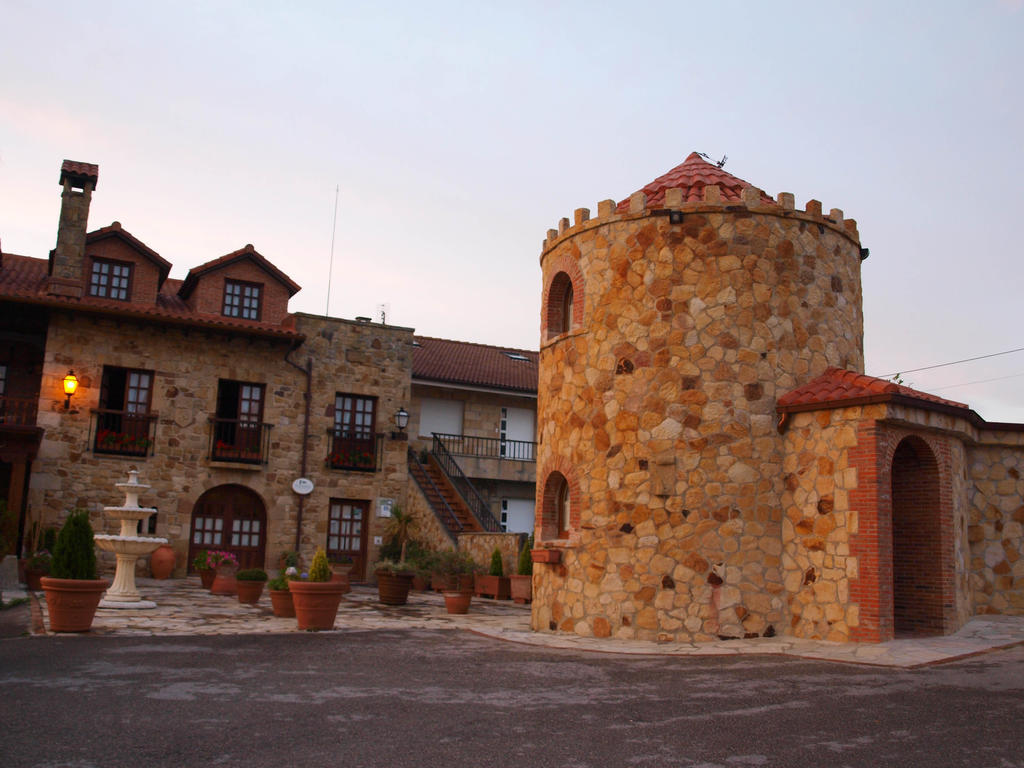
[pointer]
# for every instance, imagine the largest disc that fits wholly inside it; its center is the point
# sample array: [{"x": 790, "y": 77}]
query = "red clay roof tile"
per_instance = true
[
  {"x": 692, "y": 175},
  {"x": 836, "y": 385},
  {"x": 23, "y": 278},
  {"x": 461, "y": 362},
  {"x": 248, "y": 252},
  {"x": 78, "y": 171}
]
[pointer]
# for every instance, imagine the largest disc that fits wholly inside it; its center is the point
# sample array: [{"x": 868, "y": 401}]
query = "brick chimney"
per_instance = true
[{"x": 67, "y": 261}]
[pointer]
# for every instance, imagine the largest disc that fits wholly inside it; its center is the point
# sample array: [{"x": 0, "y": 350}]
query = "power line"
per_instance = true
[
  {"x": 982, "y": 381},
  {"x": 955, "y": 362}
]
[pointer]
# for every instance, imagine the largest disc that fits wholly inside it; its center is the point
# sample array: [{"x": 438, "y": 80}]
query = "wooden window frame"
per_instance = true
[
  {"x": 109, "y": 288},
  {"x": 237, "y": 303}
]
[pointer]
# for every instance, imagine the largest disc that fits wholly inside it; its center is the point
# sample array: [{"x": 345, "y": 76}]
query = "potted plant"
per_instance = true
[
  {"x": 316, "y": 598},
  {"x": 225, "y": 565},
  {"x": 424, "y": 562},
  {"x": 341, "y": 567},
  {"x": 281, "y": 597},
  {"x": 394, "y": 580},
  {"x": 201, "y": 564},
  {"x": 72, "y": 590},
  {"x": 521, "y": 584},
  {"x": 454, "y": 571},
  {"x": 494, "y": 584},
  {"x": 288, "y": 559},
  {"x": 37, "y": 565},
  {"x": 250, "y": 585}
]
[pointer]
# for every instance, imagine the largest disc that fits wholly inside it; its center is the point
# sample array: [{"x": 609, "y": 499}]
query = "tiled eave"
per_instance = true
[
  {"x": 162, "y": 318},
  {"x": 474, "y": 387},
  {"x": 907, "y": 401}
]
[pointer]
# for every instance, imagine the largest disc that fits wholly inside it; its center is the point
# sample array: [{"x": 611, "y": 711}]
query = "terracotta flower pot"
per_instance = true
[
  {"x": 282, "y": 604},
  {"x": 550, "y": 556},
  {"x": 249, "y": 592},
  {"x": 224, "y": 582},
  {"x": 161, "y": 562},
  {"x": 492, "y": 586},
  {"x": 206, "y": 576},
  {"x": 521, "y": 588},
  {"x": 316, "y": 603},
  {"x": 72, "y": 602},
  {"x": 457, "y": 602},
  {"x": 32, "y": 579},
  {"x": 393, "y": 588},
  {"x": 342, "y": 579}
]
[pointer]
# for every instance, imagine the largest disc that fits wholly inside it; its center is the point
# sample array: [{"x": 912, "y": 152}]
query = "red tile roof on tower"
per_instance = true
[
  {"x": 479, "y": 365},
  {"x": 691, "y": 176},
  {"x": 837, "y": 387}
]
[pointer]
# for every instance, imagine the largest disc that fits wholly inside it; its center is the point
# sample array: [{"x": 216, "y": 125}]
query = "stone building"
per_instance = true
[
  {"x": 207, "y": 385},
  {"x": 712, "y": 462}
]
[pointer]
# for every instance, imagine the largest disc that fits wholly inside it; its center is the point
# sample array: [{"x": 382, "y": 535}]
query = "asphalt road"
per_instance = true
[{"x": 425, "y": 698}]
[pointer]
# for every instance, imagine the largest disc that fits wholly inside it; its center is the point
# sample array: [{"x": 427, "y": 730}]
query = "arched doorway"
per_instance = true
[
  {"x": 230, "y": 518},
  {"x": 917, "y": 542}
]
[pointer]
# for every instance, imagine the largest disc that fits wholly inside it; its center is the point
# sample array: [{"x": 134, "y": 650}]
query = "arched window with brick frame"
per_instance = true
[
  {"x": 563, "y": 300},
  {"x": 559, "y": 507}
]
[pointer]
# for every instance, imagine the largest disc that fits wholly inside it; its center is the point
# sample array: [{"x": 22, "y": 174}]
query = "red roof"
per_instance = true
[
  {"x": 248, "y": 252},
  {"x": 480, "y": 365},
  {"x": 79, "y": 172},
  {"x": 24, "y": 279},
  {"x": 837, "y": 387},
  {"x": 691, "y": 176}
]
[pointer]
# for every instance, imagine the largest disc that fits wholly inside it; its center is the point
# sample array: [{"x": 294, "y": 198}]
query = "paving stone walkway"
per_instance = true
[{"x": 185, "y": 608}]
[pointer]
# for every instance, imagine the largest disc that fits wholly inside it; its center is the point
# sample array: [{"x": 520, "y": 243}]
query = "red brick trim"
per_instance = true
[
  {"x": 557, "y": 470},
  {"x": 873, "y": 588},
  {"x": 563, "y": 271}
]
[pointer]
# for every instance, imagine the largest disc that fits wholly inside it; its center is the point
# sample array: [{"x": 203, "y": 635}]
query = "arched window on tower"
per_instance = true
[
  {"x": 560, "y": 305},
  {"x": 556, "y": 509}
]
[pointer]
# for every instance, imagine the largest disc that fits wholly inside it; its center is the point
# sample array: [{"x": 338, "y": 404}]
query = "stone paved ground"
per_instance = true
[{"x": 184, "y": 608}]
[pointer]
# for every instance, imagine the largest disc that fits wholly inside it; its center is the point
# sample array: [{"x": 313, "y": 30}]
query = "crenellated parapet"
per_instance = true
[{"x": 676, "y": 207}]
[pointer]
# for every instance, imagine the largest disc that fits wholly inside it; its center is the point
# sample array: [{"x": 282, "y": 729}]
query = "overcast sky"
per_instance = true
[{"x": 458, "y": 133}]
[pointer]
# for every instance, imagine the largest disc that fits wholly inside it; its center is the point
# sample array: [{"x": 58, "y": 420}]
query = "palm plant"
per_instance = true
[{"x": 401, "y": 527}]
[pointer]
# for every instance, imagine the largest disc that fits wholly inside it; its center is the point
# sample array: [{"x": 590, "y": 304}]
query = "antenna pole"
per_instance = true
[{"x": 330, "y": 268}]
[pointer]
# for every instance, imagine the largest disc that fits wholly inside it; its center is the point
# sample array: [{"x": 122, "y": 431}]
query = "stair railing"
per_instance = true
[
  {"x": 445, "y": 514},
  {"x": 463, "y": 486}
]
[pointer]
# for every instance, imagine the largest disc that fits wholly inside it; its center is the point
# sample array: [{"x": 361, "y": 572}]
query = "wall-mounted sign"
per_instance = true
[
  {"x": 384, "y": 507},
  {"x": 303, "y": 486}
]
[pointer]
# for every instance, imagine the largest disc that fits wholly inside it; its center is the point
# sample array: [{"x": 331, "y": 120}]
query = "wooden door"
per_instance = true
[
  {"x": 347, "y": 524},
  {"x": 230, "y": 518}
]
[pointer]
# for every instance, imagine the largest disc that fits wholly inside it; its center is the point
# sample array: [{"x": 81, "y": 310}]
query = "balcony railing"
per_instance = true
[
  {"x": 237, "y": 440},
  {"x": 488, "y": 447},
  {"x": 356, "y": 454},
  {"x": 18, "y": 411},
  {"x": 122, "y": 433}
]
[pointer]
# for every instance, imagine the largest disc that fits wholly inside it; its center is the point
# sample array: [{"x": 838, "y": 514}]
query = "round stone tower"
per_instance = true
[{"x": 670, "y": 325}]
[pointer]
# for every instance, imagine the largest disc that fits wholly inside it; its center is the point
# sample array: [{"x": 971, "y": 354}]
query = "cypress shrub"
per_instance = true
[
  {"x": 496, "y": 566},
  {"x": 525, "y": 561},
  {"x": 74, "y": 554},
  {"x": 320, "y": 569}
]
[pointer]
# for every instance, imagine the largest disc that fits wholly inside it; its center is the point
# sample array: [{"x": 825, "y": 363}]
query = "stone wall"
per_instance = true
[
  {"x": 480, "y": 546},
  {"x": 996, "y": 523},
  {"x": 367, "y": 359},
  {"x": 657, "y": 406}
]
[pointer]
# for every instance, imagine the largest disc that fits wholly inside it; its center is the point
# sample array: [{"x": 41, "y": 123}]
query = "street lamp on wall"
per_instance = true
[
  {"x": 70, "y": 383},
  {"x": 401, "y": 422}
]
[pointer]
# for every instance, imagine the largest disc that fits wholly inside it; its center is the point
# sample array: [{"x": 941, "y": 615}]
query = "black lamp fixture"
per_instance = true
[
  {"x": 70, "y": 383},
  {"x": 401, "y": 422}
]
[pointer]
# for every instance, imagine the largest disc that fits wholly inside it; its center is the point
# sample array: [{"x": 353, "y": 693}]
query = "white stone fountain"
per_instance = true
[{"x": 128, "y": 546}]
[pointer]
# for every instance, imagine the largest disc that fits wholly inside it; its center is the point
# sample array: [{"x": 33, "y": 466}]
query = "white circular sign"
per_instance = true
[{"x": 303, "y": 486}]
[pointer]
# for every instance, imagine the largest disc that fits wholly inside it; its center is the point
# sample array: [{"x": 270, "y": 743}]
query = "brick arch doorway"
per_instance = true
[
  {"x": 230, "y": 518},
  {"x": 919, "y": 562}
]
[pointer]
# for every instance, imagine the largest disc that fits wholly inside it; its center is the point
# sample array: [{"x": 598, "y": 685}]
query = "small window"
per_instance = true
[
  {"x": 242, "y": 299},
  {"x": 560, "y": 301},
  {"x": 556, "y": 513},
  {"x": 110, "y": 279},
  {"x": 517, "y": 356}
]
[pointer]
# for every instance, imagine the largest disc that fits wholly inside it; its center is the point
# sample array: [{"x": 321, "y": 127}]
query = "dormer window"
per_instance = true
[
  {"x": 110, "y": 279},
  {"x": 242, "y": 299}
]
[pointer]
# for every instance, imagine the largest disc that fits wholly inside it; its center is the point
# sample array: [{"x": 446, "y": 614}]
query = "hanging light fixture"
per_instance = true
[{"x": 401, "y": 422}]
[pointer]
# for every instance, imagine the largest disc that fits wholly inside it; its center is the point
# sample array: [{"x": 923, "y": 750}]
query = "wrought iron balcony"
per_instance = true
[
  {"x": 488, "y": 447},
  {"x": 238, "y": 440},
  {"x": 356, "y": 454},
  {"x": 18, "y": 411},
  {"x": 122, "y": 433}
]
